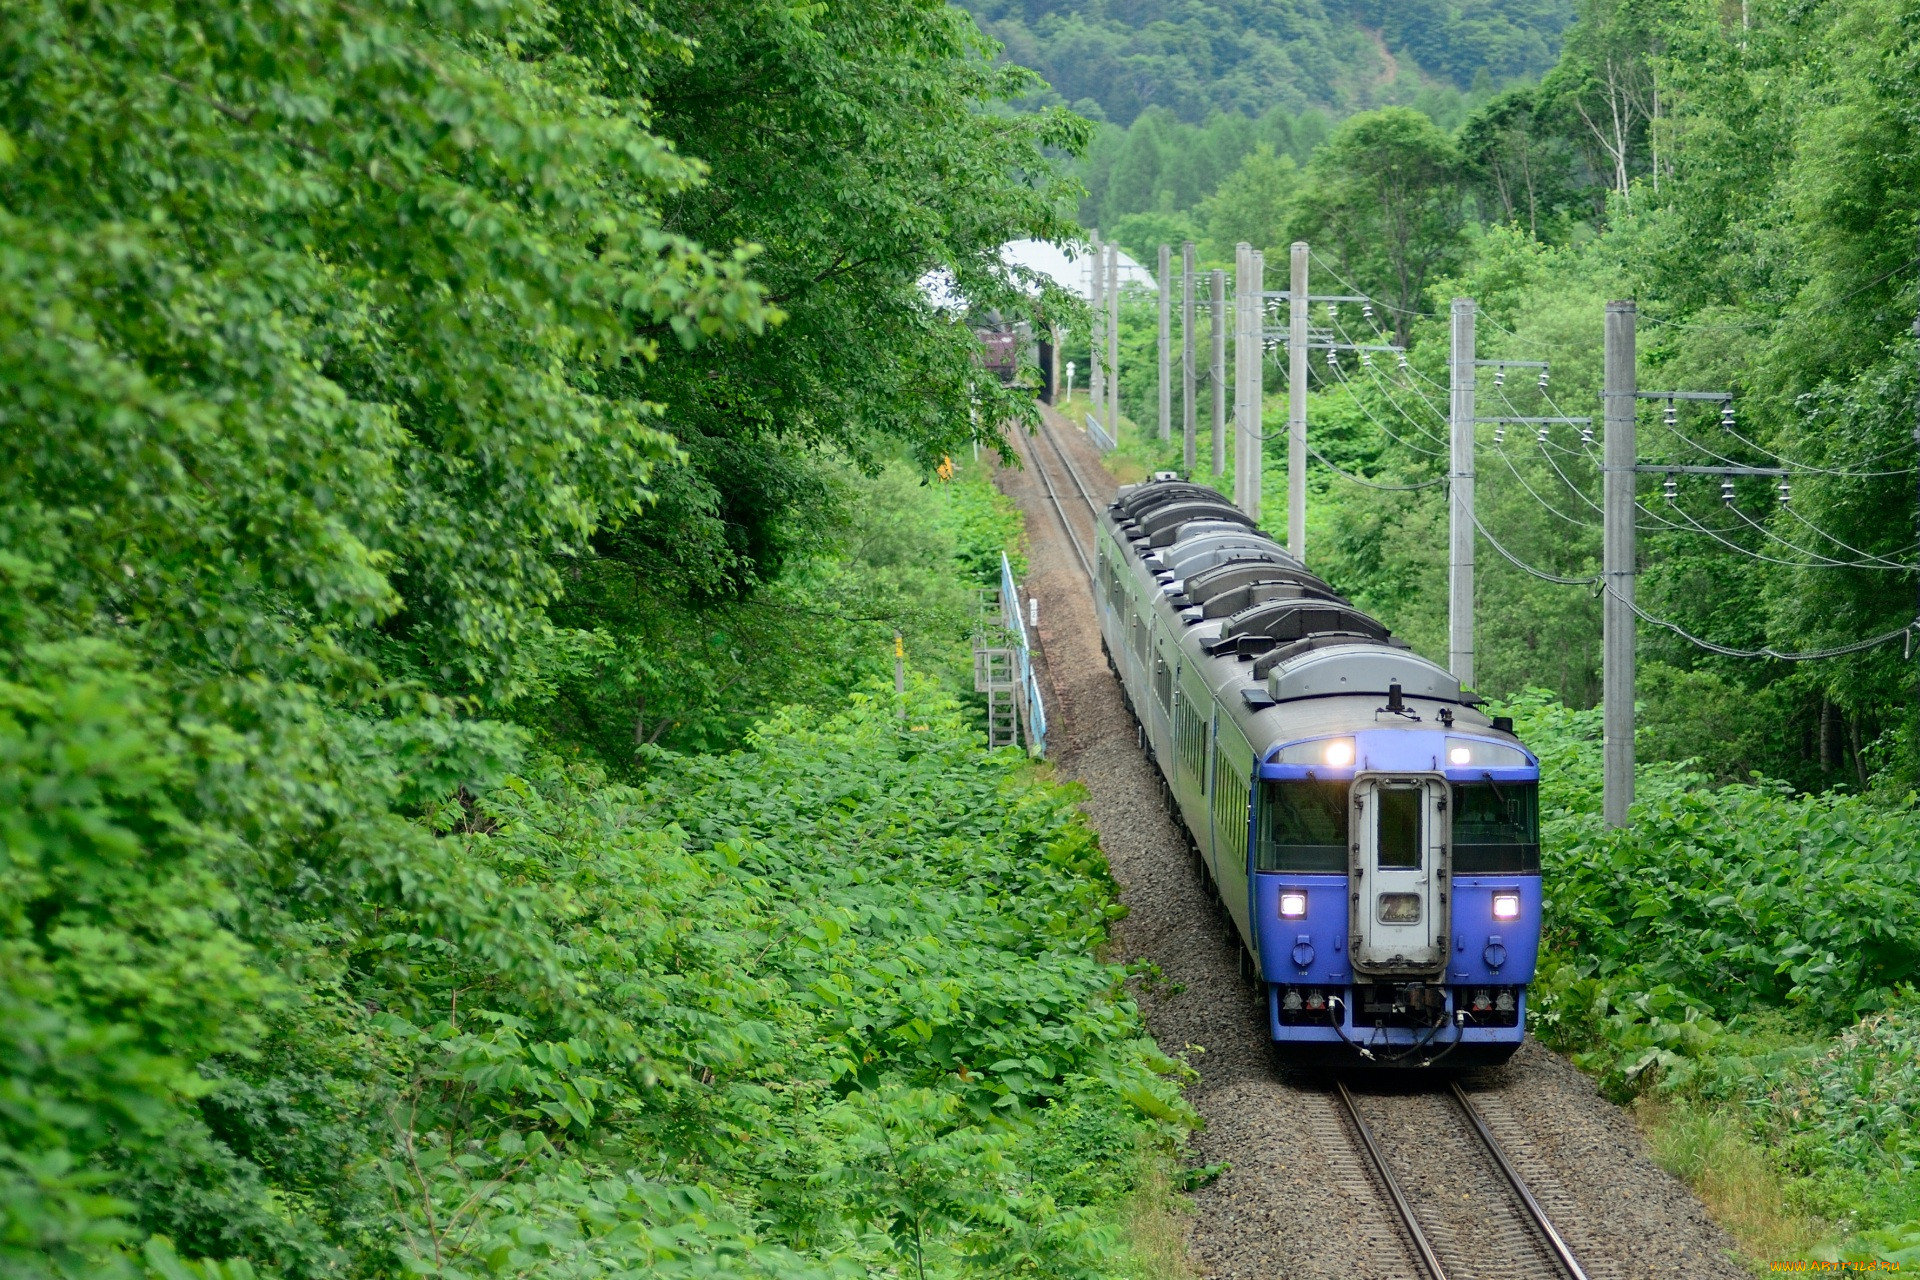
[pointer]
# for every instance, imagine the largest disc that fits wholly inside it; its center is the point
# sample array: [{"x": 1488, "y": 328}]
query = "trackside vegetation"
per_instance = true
[
  {"x": 1740, "y": 959},
  {"x": 436, "y": 443}
]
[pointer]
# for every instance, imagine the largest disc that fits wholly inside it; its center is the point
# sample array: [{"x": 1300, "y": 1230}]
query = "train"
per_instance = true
[{"x": 1372, "y": 834}]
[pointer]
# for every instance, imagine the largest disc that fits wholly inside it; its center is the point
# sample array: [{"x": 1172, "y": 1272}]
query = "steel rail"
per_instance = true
[
  {"x": 1534, "y": 1211},
  {"x": 1428, "y": 1258},
  {"x": 1060, "y": 512},
  {"x": 1073, "y": 472}
]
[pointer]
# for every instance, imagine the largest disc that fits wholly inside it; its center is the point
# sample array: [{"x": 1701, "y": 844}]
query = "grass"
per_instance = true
[
  {"x": 1734, "y": 1177},
  {"x": 1153, "y": 1222}
]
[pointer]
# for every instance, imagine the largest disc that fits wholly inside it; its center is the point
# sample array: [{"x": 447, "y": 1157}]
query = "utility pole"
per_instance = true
[
  {"x": 1620, "y": 394},
  {"x": 1166, "y": 343},
  {"x": 1096, "y": 326},
  {"x": 1241, "y": 253},
  {"x": 1297, "y": 300},
  {"x": 1187, "y": 412},
  {"x": 1256, "y": 379},
  {"x": 1217, "y": 370},
  {"x": 1113, "y": 342},
  {"x": 1053, "y": 352},
  {"x": 1460, "y": 488}
]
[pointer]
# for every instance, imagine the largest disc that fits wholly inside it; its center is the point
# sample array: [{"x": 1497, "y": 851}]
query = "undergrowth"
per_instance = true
[{"x": 1740, "y": 961}]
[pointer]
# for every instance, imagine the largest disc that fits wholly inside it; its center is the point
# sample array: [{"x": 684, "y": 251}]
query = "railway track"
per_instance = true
[
  {"x": 1469, "y": 1224},
  {"x": 1081, "y": 553}
]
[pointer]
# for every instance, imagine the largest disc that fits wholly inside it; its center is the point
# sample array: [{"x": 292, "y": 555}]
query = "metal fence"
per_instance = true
[
  {"x": 1099, "y": 434},
  {"x": 1003, "y": 669}
]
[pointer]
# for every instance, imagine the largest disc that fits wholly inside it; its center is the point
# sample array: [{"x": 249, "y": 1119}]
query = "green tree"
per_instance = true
[
  {"x": 1517, "y": 165},
  {"x": 1251, "y": 205},
  {"x": 1383, "y": 196}
]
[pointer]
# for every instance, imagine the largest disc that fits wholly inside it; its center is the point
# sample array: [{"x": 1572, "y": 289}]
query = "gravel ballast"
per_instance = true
[{"x": 1300, "y": 1199}]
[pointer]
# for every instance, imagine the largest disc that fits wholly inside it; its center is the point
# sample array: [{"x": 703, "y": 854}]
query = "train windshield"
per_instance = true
[
  {"x": 1303, "y": 827},
  {"x": 1496, "y": 828}
]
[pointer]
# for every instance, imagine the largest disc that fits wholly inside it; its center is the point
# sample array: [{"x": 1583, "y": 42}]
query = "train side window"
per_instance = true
[
  {"x": 1190, "y": 739},
  {"x": 1142, "y": 633},
  {"x": 1229, "y": 805},
  {"x": 1496, "y": 828},
  {"x": 1304, "y": 827},
  {"x": 1163, "y": 683}
]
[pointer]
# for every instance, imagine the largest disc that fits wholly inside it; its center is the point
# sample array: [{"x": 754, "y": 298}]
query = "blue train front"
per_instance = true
[{"x": 1373, "y": 836}]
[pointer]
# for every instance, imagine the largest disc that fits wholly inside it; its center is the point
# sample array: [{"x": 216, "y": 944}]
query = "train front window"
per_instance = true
[
  {"x": 1496, "y": 828},
  {"x": 1303, "y": 827},
  {"x": 1399, "y": 833}
]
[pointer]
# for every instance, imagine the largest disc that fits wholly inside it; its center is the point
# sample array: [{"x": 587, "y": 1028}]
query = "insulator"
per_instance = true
[
  {"x": 1366, "y": 309},
  {"x": 1726, "y": 416},
  {"x": 1543, "y": 379},
  {"x": 1673, "y": 488},
  {"x": 1786, "y": 491},
  {"x": 1672, "y": 414},
  {"x": 1402, "y": 356},
  {"x": 1542, "y": 438},
  {"x": 1499, "y": 435},
  {"x": 1333, "y": 359},
  {"x": 1586, "y": 434},
  {"x": 1500, "y": 376},
  {"x": 1366, "y": 359},
  {"x": 1726, "y": 490},
  {"x": 1333, "y": 313}
]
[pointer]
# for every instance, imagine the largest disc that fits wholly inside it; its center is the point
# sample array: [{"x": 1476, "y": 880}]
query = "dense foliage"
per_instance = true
[
  {"x": 389, "y": 472},
  {"x": 1724, "y": 949}
]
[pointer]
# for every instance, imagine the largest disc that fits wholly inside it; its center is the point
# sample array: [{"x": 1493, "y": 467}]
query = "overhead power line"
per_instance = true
[
  {"x": 1372, "y": 484},
  {"x": 1727, "y": 651},
  {"x": 1588, "y": 581}
]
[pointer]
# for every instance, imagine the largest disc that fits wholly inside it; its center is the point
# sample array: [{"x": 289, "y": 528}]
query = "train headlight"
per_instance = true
[
  {"x": 1462, "y": 752},
  {"x": 1293, "y": 904},
  {"x": 1335, "y": 753},
  {"x": 1506, "y": 906}
]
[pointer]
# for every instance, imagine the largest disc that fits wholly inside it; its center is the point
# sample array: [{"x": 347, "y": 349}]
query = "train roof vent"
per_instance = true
[
  {"x": 1178, "y": 513},
  {"x": 1231, "y": 600},
  {"x": 1208, "y": 547},
  {"x": 1261, "y": 627},
  {"x": 1208, "y": 583},
  {"x": 1322, "y": 640},
  {"x": 1138, "y": 498},
  {"x": 1360, "y": 668}
]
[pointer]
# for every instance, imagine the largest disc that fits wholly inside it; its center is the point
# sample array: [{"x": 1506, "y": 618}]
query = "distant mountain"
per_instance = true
[{"x": 1115, "y": 58}]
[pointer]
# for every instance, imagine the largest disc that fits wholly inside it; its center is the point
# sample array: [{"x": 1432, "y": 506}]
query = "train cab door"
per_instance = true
[{"x": 1400, "y": 875}]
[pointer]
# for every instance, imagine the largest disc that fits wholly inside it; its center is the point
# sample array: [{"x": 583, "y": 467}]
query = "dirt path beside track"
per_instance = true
[{"x": 1299, "y": 1200}]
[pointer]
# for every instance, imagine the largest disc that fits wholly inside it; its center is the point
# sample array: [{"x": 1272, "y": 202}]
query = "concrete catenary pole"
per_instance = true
[
  {"x": 1097, "y": 326},
  {"x": 1256, "y": 378},
  {"x": 1113, "y": 342},
  {"x": 1242, "y": 253},
  {"x": 1217, "y": 370},
  {"x": 1166, "y": 343},
  {"x": 1621, "y": 382},
  {"x": 1053, "y": 350},
  {"x": 1297, "y": 299},
  {"x": 1460, "y": 490},
  {"x": 1188, "y": 420}
]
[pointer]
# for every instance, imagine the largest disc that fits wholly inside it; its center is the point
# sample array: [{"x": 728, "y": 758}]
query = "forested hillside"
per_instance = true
[
  {"x": 461, "y": 472},
  {"x": 1111, "y": 61}
]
